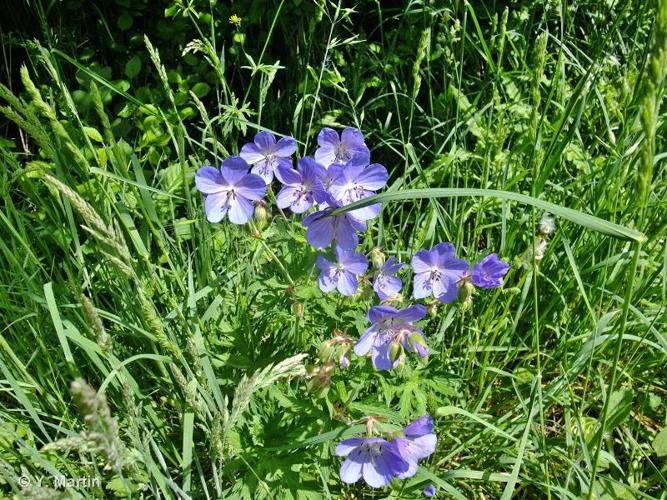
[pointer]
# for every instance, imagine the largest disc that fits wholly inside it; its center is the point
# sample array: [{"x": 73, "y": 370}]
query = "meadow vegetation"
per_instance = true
[{"x": 174, "y": 357}]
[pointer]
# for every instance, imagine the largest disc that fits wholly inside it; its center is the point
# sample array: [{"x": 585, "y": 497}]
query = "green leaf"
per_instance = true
[
  {"x": 660, "y": 443},
  {"x": 586, "y": 220},
  {"x": 413, "y": 400},
  {"x": 340, "y": 433},
  {"x": 119, "y": 486},
  {"x": 93, "y": 134},
  {"x": 424, "y": 474},
  {"x": 188, "y": 445},
  {"x": 117, "y": 88},
  {"x": 200, "y": 89},
  {"x": 608, "y": 489},
  {"x": 57, "y": 321},
  {"x": 125, "y": 22},
  {"x": 620, "y": 404},
  {"x": 133, "y": 67}
]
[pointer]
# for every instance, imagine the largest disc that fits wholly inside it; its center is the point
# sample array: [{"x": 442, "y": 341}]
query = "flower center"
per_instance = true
[
  {"x": 271, "y": 159},
  {"x": 354, "y": 191},
  {"x": 302, "y": 192},
  {"x": 373, "y": 449},
  {"x": 339, "y": 270},
  {"x": 387, "y": 324},
  {"x": 392, "y": 329},
  {"x": 342, "y": 153},
  {"x": 231, "y": 194},
  {"x": 435, "y": 275}
]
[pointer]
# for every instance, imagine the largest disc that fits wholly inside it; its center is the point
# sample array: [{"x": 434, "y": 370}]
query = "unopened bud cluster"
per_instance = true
[{"x": 332, "y": 352}]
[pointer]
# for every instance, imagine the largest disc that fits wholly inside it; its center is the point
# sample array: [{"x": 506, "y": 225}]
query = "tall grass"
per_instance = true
[{"x": 168, "y": 356}]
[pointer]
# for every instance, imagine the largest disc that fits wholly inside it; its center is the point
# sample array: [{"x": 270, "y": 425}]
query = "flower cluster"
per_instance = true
[
  {"x": 378, "y": 460},
  {"x": 346, "y": 176},
  {"x": 437, "y": 273},
  {"x": 341, "y": 173}
]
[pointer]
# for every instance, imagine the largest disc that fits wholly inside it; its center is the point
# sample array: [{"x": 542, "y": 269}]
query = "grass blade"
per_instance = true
[{"x": 585, "y": 220}]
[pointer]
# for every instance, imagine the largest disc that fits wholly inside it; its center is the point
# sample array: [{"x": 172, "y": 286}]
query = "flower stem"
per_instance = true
[{"x": 272, "y": 254}]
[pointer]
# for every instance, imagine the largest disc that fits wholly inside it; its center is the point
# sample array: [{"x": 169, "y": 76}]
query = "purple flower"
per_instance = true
[
  {"x": 429, "y": 491},
  {"x": 416, "y": 442},
  {"x": 229, "y": 191},
  {"x": 489, "y": 272},
  {"x": 391, "y": 332},
  {"x": 332, "y": 172},
  {"x": 354, "y": 182},
  {"x": 373, "y": 458},
  {"x": 437, "y": 273},
  {"x": 323, "y": 228},
  {"x": 302, "y": 187},
  {"x": 342, "y": 274},
  {"x": 334, "y": 149},
  {"x": 266, "y": 154},
  {"x": 385, "y": 283}
]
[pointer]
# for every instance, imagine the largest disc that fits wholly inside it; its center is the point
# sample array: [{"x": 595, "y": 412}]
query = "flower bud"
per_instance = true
[
  {"x": 320, "y": 386},
  {"x": 326, "y": 350},
  {"x": 311, "y": 370},
  {"x": 365, "y": 291},
  {"x": 328, "y": 369},
  {"x": 344, "y": 361},
  {"x": 370, "y": 425},
  {"x": 323, "y": 389},
  {"x": 465, "y": 292},
  {"x": 395, "y": 350},
  {"x": 540, "y": 249},
  {"x": 320, "y": 378},
  {"x": 377, "y": 258},
  {"x": 418, "y": 344},
  {"x": 261, "y": 215},
  {"x": 400, "y": 363},
  {"x": 297, "y": 309},
  {"x": 394, "y": 300}
]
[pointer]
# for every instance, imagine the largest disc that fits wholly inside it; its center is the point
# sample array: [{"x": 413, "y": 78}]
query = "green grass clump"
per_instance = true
[{"x": 169, "y": 357}]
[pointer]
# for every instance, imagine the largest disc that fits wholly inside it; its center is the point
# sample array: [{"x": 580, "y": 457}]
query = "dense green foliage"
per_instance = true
[{"x": 194, "y": 338}]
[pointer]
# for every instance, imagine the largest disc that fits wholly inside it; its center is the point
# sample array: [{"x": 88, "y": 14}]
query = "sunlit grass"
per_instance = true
[{"x": 196, "y": 337}]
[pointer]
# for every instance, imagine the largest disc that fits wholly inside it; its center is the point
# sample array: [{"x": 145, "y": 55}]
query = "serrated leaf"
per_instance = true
[
  {"x": 413, "y": 400},
  {"x": 262, "y": 378}
]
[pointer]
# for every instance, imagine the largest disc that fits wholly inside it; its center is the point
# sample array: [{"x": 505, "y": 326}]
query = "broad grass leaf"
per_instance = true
[
  {"x": 583, "y": 219},
  {"x": 620, "y": 405}
]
